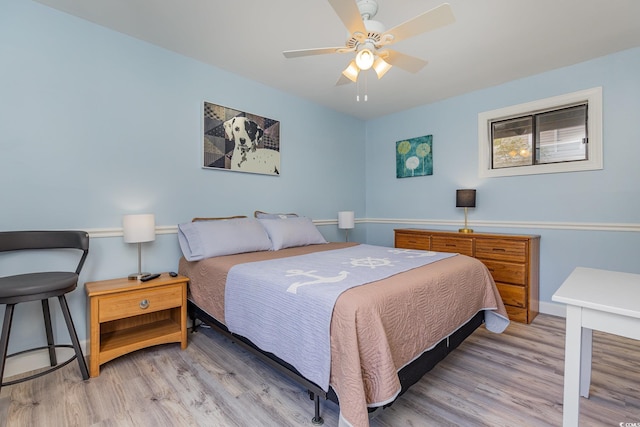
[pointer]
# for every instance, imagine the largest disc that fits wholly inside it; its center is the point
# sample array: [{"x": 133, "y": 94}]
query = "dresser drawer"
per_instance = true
[
  {"x": 501, "y": 249},
  {"x": 507, "y": 272},
  {"x": 460, "y": 245},
  {"x": 413, "y": 241},
  {"x": 138, "y": 302},
  {"x": 512, "y": 294},
  {"x": 517, "y": 314}
]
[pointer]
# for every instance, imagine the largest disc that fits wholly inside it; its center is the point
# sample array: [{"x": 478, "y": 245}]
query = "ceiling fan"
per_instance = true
[{"x": 369, "y": 39}]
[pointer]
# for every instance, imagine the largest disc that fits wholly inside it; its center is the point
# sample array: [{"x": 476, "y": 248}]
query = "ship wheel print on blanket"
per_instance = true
[{"x": 368, "y": 262}]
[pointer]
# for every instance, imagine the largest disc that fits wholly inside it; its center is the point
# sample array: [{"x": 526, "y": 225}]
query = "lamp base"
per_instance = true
[
  {"x": 137, "y": 276},
  {"x": 465, "y": 230}
]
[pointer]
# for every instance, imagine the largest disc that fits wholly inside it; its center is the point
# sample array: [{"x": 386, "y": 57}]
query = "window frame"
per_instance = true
[{"x": 592, "y": 97}]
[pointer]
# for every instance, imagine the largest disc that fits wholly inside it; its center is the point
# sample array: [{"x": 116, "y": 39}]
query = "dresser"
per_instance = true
[{"x": 513, "y": 260}]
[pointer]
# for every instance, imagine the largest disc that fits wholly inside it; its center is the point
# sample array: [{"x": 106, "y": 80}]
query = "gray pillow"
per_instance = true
[
  {"x": 291, "y": 232},
  {"x": 206, "y": 239}
]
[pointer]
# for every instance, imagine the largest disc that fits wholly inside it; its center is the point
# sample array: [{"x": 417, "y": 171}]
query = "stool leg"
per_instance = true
[
  {"x": 74, "y": 338},
  {"x": 47, "y": 327},
  {"x": 4, "y": 338}
]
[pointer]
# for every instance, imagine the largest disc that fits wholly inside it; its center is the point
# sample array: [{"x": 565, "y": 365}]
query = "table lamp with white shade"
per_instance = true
[
  {"x": 346, "y": 221},
  {"x": 139, "y": 229}
]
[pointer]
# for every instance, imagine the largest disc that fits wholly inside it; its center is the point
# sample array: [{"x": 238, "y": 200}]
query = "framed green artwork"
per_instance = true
[{"x": 414, "y": 157}]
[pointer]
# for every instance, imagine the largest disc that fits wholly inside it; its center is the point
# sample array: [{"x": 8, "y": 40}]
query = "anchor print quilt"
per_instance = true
[
  {"x": 282, "y": 303},
  {"x": 376, "y": 329}
]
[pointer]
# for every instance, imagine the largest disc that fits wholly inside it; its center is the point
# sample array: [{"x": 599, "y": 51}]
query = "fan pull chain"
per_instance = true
[{"x": 366, "y": 86}]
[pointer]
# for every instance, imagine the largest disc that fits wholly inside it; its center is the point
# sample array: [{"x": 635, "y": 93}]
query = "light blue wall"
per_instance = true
[
  {"x": 95, "y": 124},
  {"x": 534, "y": 203}
]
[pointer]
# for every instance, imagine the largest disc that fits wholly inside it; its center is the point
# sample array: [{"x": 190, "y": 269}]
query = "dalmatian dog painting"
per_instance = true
[
  {"x": 247, "y": 155},
  {"x": 239, "y": 141}
]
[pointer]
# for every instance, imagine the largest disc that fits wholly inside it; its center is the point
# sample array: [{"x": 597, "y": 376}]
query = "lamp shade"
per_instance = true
[
  {"x": 381, "y": 67},
  {"x": 139, "y": 228},
  {"x": 346, "y": 220},
  {"x": 465, "y": 198},
  {"x": 352, "y": 71}
]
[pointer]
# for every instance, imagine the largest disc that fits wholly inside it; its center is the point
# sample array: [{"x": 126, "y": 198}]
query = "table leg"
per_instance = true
[
  {"x": 572, "y": 368},
  {"x": 585, "y": 361}
]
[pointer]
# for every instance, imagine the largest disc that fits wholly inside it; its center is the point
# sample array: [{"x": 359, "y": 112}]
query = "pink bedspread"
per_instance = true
[{"x": 376, "y": 328}]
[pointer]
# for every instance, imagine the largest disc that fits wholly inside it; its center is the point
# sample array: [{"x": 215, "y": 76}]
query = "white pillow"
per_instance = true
[
  {"x": 290, "y": 232},
  {"x": 206, "y": 239}
]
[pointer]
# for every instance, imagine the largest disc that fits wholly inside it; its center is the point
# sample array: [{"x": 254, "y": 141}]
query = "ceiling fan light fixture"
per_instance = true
[
  {"x": 351, "y": 72},
  {"x": 364, "y": 59},
  {"x": 368, "y": 38},
  {"x": 381, "y": 67}
]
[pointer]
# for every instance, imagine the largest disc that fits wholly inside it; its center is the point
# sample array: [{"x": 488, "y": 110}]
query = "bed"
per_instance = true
[{"x": 383, "y": 335}]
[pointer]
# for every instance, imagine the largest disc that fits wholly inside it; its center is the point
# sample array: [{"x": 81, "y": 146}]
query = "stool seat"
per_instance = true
[{"x": 32, "y": 286}]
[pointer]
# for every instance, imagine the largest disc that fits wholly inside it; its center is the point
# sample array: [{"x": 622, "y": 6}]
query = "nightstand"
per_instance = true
[{"x": 127, "y": 315}]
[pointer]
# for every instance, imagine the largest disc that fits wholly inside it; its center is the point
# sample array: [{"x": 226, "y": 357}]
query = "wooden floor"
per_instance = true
[{"x": 509, "y": 379}]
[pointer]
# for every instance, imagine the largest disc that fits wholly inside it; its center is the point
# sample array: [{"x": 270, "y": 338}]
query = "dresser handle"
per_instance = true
[
  {"x": 499, "y": 249},
  {"x": 144, "y": 304}
]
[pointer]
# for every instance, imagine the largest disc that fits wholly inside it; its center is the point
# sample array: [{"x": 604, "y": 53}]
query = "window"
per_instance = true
[{"x": 559, "y": 134}]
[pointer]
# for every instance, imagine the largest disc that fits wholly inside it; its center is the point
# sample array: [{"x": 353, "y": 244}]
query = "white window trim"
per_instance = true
[{"x": 594, "y": 147}]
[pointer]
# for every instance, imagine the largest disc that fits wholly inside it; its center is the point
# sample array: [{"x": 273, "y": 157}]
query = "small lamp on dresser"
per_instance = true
[
  {"x": 346, "y": 221},
  {"x": 465, "y": 199},
  {"x": 138, "y": 229}
]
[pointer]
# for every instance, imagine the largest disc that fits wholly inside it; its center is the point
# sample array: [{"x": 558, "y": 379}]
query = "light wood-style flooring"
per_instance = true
[{"x": 509, "y": 379}]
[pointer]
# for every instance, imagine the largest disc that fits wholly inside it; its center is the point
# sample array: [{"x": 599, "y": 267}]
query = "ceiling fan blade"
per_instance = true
[
  {"x": 349, "y": 14},
  {"x": 317, "y": 51},
  {"x": 401, "y": 60},
  {"x": 430, "y": 20}
]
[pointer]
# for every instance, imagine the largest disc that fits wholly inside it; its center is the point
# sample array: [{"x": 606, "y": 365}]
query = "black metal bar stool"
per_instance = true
[{"x": 41, "y": 286}]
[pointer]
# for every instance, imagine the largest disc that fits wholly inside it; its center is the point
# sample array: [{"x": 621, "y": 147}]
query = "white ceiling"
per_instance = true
[{"x": 491, "y": 42}]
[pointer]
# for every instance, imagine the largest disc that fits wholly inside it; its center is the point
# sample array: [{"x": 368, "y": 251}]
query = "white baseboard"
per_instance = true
[
  {"x": 40, "y": 359},
  {"x": 553, "y": 309},
  {"x": 37, "y": 359}
]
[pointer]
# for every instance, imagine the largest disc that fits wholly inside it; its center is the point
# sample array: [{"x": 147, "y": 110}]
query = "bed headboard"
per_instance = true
[{"x": 216, "y": 219}]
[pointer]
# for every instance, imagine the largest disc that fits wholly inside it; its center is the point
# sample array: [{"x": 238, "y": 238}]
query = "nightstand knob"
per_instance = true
[{"x": 144, "y": 304}]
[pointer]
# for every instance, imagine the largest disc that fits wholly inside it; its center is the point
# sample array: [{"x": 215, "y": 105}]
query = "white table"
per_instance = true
[{"x": 603, "y": 300}]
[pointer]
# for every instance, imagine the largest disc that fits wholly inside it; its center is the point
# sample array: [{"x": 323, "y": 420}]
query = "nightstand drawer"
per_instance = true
[
  {"x": 413, "y": 241},
  {"x": 502, "y": 250},
  {"x": 139, "y": 302},
  {"x": 508, "y": 272},
  {"x": 462, "y": 246}
]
